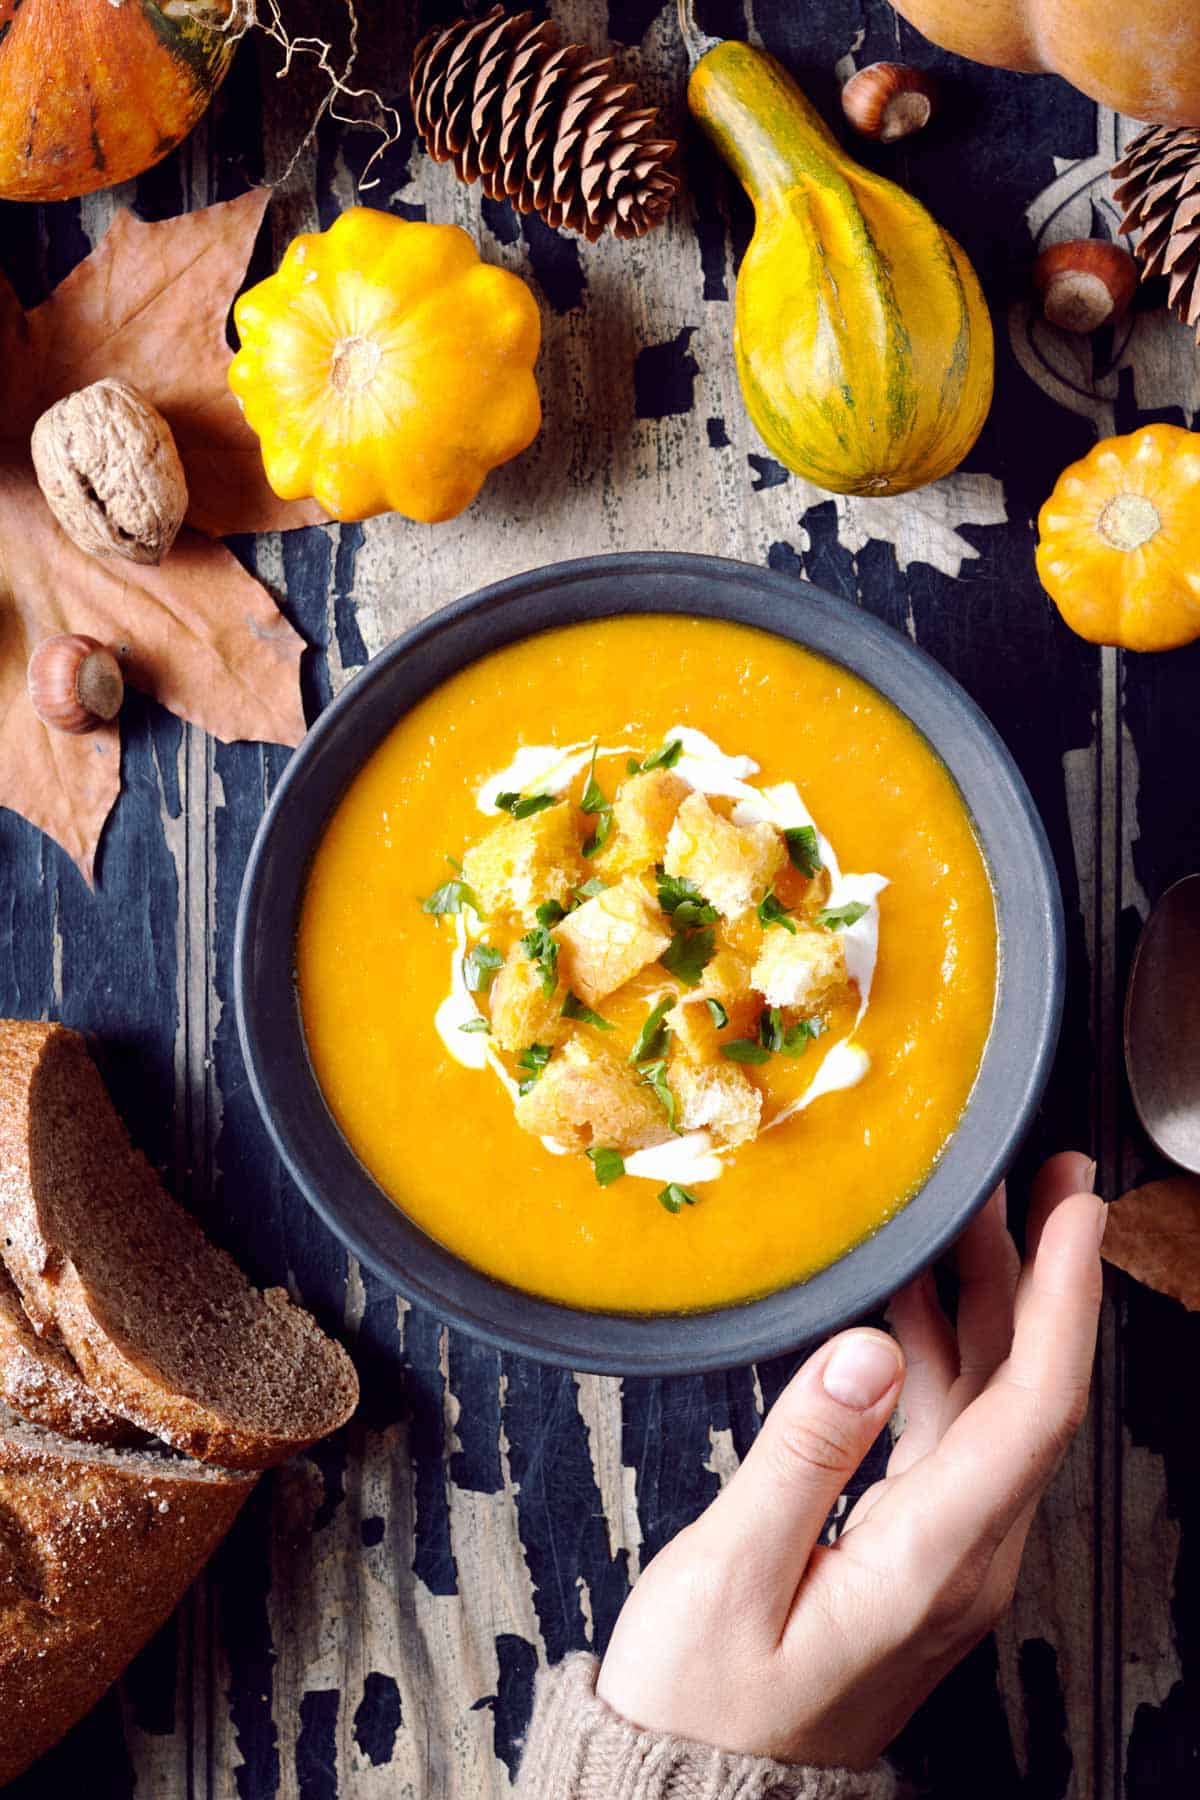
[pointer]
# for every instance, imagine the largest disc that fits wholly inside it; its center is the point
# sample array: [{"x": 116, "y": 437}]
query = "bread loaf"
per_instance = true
[
  {"x": 163, "y": 1326},
  {"x": 39, "y": 1381},
  {"x": 96, "y": 1548}
]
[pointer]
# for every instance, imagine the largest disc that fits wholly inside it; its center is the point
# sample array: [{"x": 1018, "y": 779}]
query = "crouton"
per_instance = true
[
  {"x": 800, "y": 968},
  {"x": 587, "y": 1095},
  {"x": 716, "y": 1097},
  {"x": 522, "y": 862},
  {"x": 521, "y": 1013},
  {"x": 732, "y": 865},
  {"x": 605, "y": 943},
  {"x": 726, "y": 980},
  {"x": 643, "y": 813}
]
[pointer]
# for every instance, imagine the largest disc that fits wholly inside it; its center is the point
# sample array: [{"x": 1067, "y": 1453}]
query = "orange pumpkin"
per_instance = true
[
  {"x": 94, "y": 91},
  {"x": 1119, "y": 541},
  {"x": 1142, "y": 58}
]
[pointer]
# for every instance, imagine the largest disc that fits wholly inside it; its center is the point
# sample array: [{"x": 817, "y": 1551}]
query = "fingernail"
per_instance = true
[
  {"x": 1102, "y": 1222},
  {"x": 861, "y": 1371},
  {"x": 1087, "y": 1181}
]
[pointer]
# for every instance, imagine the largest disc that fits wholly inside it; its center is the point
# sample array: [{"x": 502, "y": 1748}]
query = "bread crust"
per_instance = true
[
  {"x": 62, "y": 1245},
  {"x": 40, "y": 1382},
  {"x": 96, "y": 1549}
]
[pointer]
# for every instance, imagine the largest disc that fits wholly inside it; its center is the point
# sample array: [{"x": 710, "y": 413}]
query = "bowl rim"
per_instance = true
[{"x": 1013, "y": 1072}]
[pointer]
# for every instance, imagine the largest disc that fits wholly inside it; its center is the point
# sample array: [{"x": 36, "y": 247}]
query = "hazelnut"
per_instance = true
[
  {"x": 1085, "y": 283},
  {"x": 107, "y": 464},
  {"x": 888, "y": 100},
  {"x": 75, "y": 684}
]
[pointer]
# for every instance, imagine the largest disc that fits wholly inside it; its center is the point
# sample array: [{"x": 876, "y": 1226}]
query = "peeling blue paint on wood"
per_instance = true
[
  {"x": 664, "y": 377},
  {"x": 1049, "y": 1749},
  {"x": 316, "y": 1746},
  {"x": 378, "y": 1718},
  {"x": 240, "y": 1576},
  {"x": 767, "y": 473},
  {"x": 514, "y": 1697}
]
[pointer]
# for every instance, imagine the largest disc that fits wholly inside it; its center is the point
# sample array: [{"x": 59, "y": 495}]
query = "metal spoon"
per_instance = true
[{"x": 1162, "y": 1025}]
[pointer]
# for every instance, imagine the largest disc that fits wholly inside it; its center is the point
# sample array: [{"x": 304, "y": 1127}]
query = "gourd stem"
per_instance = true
[
  {"x": 771, "y": 136},
  {"x": 696, "y": 42}
]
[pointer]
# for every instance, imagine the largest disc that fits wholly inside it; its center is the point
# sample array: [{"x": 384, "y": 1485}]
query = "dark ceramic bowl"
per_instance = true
[{"x": 1015, "y": 1064}]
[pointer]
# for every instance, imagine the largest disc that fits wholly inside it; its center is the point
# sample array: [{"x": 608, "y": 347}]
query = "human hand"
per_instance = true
[{"x": 746, "y": 1633}]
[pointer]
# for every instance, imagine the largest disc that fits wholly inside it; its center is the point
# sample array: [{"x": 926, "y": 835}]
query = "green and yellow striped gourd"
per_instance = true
[{"x": 863, "y": 342}]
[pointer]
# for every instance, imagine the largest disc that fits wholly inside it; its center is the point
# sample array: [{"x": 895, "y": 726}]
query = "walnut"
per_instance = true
[{"x": 108, "y": 467}]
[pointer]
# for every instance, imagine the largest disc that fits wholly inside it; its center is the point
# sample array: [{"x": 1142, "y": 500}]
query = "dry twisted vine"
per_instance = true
[{"x": 266, "y": 16}]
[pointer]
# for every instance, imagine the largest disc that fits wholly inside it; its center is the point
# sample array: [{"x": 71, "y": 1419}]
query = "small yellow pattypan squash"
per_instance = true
[
  {"x": 384, "y": 367},
  {"x": 1119, "y": 541}
]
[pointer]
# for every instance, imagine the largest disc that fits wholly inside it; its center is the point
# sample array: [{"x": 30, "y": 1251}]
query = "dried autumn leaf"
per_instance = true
[
  {"x": 1153, "y": 1233},
  {"x": 197, "y": 633}
]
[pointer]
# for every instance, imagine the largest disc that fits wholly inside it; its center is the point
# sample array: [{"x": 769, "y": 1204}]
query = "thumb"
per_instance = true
[{"x": 814, "y": 1438}]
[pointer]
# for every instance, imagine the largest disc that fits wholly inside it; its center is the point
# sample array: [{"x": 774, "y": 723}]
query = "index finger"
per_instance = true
[{"x": 1000, "y": 1453}]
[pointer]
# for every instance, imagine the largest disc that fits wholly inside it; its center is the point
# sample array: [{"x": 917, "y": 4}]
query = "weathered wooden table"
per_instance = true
[{"x": 373, "y": 1625}]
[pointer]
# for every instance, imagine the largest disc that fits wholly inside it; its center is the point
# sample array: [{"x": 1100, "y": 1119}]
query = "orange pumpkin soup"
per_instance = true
[{"x": 591, "y": 985}]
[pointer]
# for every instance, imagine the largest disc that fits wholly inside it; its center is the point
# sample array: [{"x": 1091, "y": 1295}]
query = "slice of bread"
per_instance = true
[
  {"x": 162, "y": 1325},
  {"x": 39, "y": 1381},
  {"x": 96, "y": 1548}
]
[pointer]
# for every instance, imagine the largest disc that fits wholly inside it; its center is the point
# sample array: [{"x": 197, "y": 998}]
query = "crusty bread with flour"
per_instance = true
[
  {"x": 97, "y": 1546},
  {"x": 163, "y": 1327},
  {"x": 39, "y": 1381}
]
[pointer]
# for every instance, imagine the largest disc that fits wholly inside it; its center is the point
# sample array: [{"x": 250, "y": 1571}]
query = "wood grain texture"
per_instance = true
[{"x": 374, "y": 1624}]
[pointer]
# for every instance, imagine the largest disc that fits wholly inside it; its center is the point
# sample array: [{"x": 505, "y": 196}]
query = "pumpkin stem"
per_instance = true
[{"x": 1129, "y": 521}]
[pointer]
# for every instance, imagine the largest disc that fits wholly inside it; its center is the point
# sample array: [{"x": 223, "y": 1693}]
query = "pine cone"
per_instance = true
[
  {"x": 543, "y": 124},
  {"x": 1157, "y": 185}
]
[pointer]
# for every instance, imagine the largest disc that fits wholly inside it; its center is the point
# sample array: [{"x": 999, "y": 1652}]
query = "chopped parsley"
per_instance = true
[
  {"x": 683, "y": 901},
  {"x": 451, "y": 897},
  {"x": 665, "y": 757},
  {"x": 717, "y": 1013},
  {"x": 573, "y": 1008},
  {"x": 590, "y": 889},
  {"x": 541, "y": 949},
  {"x": 608, "y": 1165},
  {"x": 836, "y": 918},
  {"x": 689, "y": 954},
  {"x": 654, "y": 1075},
  {"x": 475, "y": 1025},
  {"x": 774, "y": 1038},
  {"x": 803, "y": 849},
  {"x": 533, "y": 1060},
  {"x": 652, "y": 1038},
  {"x": 772, "y": 911},
  {"x": 594, "y": 802},
  {"x": 674, "y": 1198},
  {"x": 480, "y": 966},
  {"x": 550, "y": 912},
  {"x": 786, "y": 1040},
  {"x": 523, "y": 806},
  {"x": 799, "y": 1036}
]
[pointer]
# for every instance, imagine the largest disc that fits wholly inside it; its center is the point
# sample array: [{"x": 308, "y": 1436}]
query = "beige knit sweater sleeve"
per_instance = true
[{"x": 578, "y": 1749}]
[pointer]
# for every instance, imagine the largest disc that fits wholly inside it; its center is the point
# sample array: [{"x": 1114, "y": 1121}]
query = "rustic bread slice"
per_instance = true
[
  {"x": 96, "y": 1548},
  {"x": 39, "y": 1381},
  {"x": 162, "y": 1325}
]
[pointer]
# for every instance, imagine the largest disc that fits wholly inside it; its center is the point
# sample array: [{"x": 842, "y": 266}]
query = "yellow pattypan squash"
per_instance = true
[
  {"x": 1119, "y": 549},
  {"x": 384, "y": 367}
]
